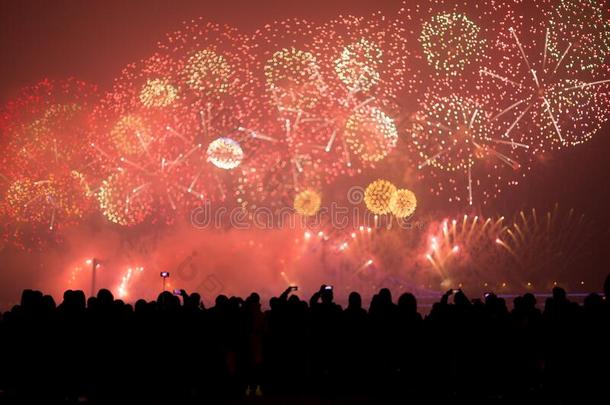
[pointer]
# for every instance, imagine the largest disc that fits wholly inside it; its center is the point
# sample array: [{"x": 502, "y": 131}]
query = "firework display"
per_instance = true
[
  {"x": 456, "y": 101},
  {"x": 581, "y": 25},
  {"x": 450, "y": 133},
  {"x": 225, "y": 153},
  {"x": 464, "y": 243},
  {"x": 403, "y": 203},
  {"x": 158, "y": 93},
  {"x": 455, "y": 134},
  {"x": 378, "y": 196},
  {"x": 307, "y": 203},
  {"x": 359, "y": 65},
  {"x": 137, "y": 140},
  {"x": 45, "y": 160},
  {"x": 370, "y": 134},
  {"x": 543, "y": 102},
  {"x": 208, "y": 73},
  {"x": 450, "y": 42},
  {"x": 293, "y": 78},
  {"x": 554, "y": 241},
  {"x": 123, "y": 199}
]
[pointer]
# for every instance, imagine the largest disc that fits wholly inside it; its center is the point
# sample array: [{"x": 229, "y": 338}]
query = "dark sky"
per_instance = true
[{"x": 93, "y": 39}]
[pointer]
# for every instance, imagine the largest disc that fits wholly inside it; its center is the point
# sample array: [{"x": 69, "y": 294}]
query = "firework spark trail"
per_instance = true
[
  {"x": 433, "y": 158},
  {"x": 501, "y": 78},
  {"x": 516, "y": 121},
  {"x": 552, "y": 117},
  {"x": 511, "y": 143},
  {"x": 507, "y": 109},
  {"x": 562, "y": 57}
]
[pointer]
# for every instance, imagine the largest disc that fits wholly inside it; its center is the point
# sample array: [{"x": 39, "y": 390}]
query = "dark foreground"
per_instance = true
[{"x": 173, "y": 350}]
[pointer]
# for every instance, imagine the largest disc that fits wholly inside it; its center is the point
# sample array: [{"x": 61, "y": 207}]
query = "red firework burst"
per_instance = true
[{"x": 45, "y": 160}]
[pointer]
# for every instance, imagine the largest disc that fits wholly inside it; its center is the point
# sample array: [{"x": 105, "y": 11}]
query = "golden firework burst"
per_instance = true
[
  {"x": 158, "y": 93},
  {"x": 378, "y": 196},
  {"x": 307, "y": 203},
  {"x": 403, "y": 203},
  {"x": 208, "y": 72}
]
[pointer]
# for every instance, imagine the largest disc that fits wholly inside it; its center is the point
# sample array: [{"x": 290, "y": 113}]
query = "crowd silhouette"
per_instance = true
[{"x": 172, "y": 350}]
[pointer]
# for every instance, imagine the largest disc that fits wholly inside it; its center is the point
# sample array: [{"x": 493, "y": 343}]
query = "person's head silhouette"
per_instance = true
[
  {"x": 407, "y": 303},
  {"x": 354, "y": 301},
  {"x": 559, "y": 294}
]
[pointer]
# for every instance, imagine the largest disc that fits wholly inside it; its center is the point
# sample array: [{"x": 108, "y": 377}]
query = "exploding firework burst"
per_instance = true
[
  {"x": 370, "y": 134},
  {"x": 454, "y": 133},
  {"x": 124, "y": 200},
  {"x": 158, "y": 93},
  {"x": 307, "y": 203},
  {"x": 580, "y": 24},
  {"x": 403, "y": 203},
  {"x": 450, "y": 42},
  {"x": 223, "y": 102},
  {"x": 378, "y": 195},
  {"x": 449, "y": 133},
  {"x": 45, "y": 158},
  {"x": 225, "y": 153},
  {"x": 293, "y": 77},
  {"x": 363, "y": 57},
  {"x": 583, "y": 109},
  {"x": 130, "y": 135},
  {"x": 542, "y": 102},
  {"x": 358, "y": 66},
  {"x": 208, "y": 73}
]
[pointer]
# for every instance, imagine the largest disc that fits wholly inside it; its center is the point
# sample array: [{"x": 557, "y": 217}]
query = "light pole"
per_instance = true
[
  {"x": 95, "y": 263},
  {"x": 164, "y": 275}
]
